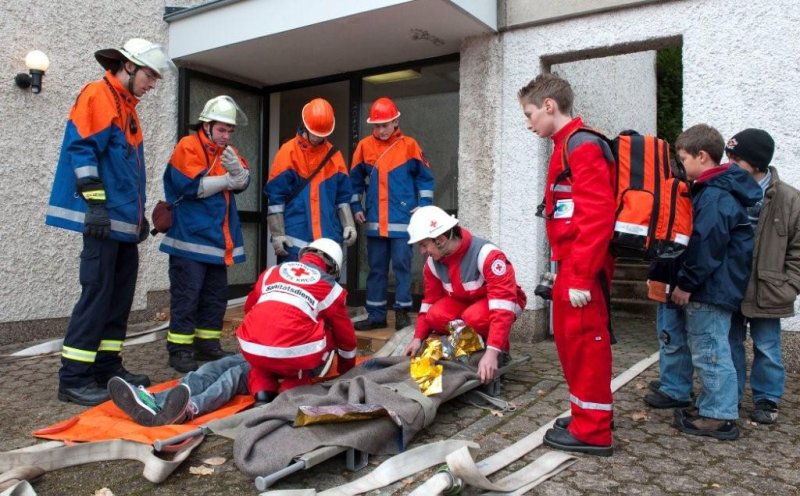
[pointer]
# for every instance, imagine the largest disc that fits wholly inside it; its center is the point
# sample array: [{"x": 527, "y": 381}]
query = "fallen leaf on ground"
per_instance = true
[
  {"x": 201, "y": 470},
  {"x": 408, "y": 481},
  {"x": 541, "y": 392},
  {"x": 640, "y": 385},
  {"x": 214, "y": 460},
  {"x": 715, "y": 485},
  {"x": 497, "y": 413},
  {"x": 639, "y": 416},
  {"x": 103, "y": 492}
]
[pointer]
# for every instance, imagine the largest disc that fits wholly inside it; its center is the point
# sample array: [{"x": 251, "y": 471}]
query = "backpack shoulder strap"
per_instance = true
[{"x": 565, "y": 149}]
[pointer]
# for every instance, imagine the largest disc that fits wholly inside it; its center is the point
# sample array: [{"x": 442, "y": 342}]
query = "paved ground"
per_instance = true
[{"x": 651, "y": 457}]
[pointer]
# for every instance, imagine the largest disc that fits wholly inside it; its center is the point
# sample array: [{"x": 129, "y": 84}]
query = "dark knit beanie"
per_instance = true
[{"x": 754, "y": 145}]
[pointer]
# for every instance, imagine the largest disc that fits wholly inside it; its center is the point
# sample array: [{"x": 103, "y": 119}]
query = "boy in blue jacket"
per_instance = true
[{"x": 711, "y": 278}]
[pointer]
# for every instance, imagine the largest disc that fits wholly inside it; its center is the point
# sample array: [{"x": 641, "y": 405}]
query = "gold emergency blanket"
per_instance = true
[
  {"x": 348, "y": 412},
  {"x": 457, "y": 345}
]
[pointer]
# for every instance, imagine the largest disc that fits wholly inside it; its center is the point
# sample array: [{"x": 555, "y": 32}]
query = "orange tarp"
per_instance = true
[{"x": 106, "y": 421}]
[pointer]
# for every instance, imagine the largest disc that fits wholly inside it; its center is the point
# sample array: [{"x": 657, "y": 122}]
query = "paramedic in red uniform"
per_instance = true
[
  {"x": 99, "y": 191},
  {"x": 201, "y": 180},
  {"x": 465, "y": 278},
  {"x": 580, "y": 223},
  {"x": 305, "y": 201},
  {"x": 295, "y": 320},
  {"x": 391, "y": 175}
]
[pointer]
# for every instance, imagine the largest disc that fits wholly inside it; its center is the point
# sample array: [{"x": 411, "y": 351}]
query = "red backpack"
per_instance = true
[{"x": 654, "y": 207}]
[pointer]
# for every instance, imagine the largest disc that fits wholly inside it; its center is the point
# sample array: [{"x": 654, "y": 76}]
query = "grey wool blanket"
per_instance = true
[{"x": 267, "y": 441}]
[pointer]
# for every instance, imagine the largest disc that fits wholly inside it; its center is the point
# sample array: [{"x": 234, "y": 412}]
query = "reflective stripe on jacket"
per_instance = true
[
  {"x": 312, "y": 213},
  {"x": 394, "y": 178},
  {"x": 476, "y": 270},
  {"x": 100, "y": 142},
  {"x": 283, "y": 312},
  {"x": 203, "y": 229}
]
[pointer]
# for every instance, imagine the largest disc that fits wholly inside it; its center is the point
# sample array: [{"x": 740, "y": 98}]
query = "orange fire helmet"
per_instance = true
[
  {"x": 383, "y": 110},
  {"x": 318, "y": 117}
]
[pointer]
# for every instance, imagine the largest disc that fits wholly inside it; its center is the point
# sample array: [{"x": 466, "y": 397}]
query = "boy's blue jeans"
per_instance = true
[
  {"x": 214, "y": 383},
  {"x": 674, "y": 360},
  {"x": 707, "y": 329},
  {"x": 767, "y": 375}
]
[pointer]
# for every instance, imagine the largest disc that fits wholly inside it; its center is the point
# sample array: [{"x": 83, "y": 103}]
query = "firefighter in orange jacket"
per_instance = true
[
  {"x": 579, "y": 212},
  {"x": 201, "y": 180},
  {"x": 295, "y": 320},
  {"x": 308, "y": 193},
  {"x": 391, "y": 174},
  {"x": 99, "y": 191},
  {"x": 466, "y": 278}
]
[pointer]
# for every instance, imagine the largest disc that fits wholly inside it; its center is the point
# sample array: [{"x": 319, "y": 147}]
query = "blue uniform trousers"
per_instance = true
[
  {"x": 99, "y": 321},
  {"x": 198, "y": 299},
  {"x": 379, "y": 252}
]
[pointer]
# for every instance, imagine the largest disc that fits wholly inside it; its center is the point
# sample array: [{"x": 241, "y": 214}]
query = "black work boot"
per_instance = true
[
  {"x": 369, "y": 325},
  {"x": 128, "y": 376},
  {"x": 661, "y": 400},
  {"x": 182, "y": 361},
  {"x": 88, "y": 395},
  {"x": 210, "y": 353},
  {"x": 561, "y": 439},
  {"x": 401, "y": 319},
  {"x": 264, "y": 397}
]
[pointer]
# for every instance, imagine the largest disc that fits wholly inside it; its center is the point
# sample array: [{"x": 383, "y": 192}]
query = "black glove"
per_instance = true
[
  {"x": 96, "y": 224},
  {"x": 144, "y": 231}
]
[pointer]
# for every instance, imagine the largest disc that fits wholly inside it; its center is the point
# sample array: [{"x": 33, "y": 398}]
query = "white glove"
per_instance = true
[
  {"x": 231, "y": 162},
  {"x": 349, "y": 234},
  {"x": 280, "y": 243},
  {"x": 579, "y": 297}
]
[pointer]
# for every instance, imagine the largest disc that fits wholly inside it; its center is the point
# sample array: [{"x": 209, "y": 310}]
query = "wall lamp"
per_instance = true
[{"x": 37, "y": 63}]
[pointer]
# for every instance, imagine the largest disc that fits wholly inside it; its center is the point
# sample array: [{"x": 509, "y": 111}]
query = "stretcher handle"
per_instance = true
[
  {"x": 161, "y": 445},
  {"x": 265, "y": 481}
]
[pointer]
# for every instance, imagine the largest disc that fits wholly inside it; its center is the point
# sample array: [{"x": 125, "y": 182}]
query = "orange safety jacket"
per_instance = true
[
  {"x": 312, "y": 213},
  {"x": 393, "y": 178},
  {"x": 102, "y": 140},
  {"x": 203, "y": 229}
]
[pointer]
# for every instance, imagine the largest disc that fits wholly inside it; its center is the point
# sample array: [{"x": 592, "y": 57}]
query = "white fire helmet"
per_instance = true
[
  {"x": 429, "y": 222},
  {"x": 223, "y": 109},
  {"x": 330, "y": 251},
  {"x": 139, "y": 51}
]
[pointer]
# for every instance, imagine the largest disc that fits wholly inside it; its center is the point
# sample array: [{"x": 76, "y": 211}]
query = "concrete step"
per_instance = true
[
  {"x": 626, "y": 289},
  {"x": 642, "y": 307},
  {"x": 631, "y": 271}
]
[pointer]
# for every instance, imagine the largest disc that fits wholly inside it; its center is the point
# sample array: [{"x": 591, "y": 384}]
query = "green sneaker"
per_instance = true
[{"x": 138, "y": 403}]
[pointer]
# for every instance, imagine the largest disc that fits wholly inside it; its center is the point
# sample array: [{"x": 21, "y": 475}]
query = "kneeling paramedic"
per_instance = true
[
  {"x": 466, "y": 278},
  {"x": 201, "y": 181},
  {"x": 295, "y": 320}
]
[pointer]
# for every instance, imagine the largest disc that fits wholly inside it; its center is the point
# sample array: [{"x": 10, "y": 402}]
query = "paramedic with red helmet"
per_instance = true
[
  {"x": 308, "y": 190},
  {"x": 295, "y": 320},
  {"x": 391, "y": 176},
  {"x": 465, "y": 278}
]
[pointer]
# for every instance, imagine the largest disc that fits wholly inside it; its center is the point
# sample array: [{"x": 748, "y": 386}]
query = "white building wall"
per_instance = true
[
  {"x": 39, "y": 263},
  {"x": 740, "y": 64}
]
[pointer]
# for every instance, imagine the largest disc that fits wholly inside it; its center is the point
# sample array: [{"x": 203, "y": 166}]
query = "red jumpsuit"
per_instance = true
[
  {"x": 475, "y": 283},
  {"x": 580, "y": 229},
  {"x": 294, "y": 318}
]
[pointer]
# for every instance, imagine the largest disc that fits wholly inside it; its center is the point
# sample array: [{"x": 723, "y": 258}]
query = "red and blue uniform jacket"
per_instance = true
[
  {"x": 393, "y": 178},
  {"x": 476, "y": 270},
  {"x": 312, "y": 213},
  {"x": 296, "y": 313},
  {"x": 583, "y": 208},
  {"x": 203, "y": 229},
  {"x": 102, "y": 140}
]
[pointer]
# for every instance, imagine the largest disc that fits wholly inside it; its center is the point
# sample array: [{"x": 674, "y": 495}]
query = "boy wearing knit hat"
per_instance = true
[{"x": 775, "y": 278}]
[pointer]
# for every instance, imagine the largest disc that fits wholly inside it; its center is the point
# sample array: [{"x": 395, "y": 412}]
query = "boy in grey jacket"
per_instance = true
[{"x": 775, "y": 278}]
